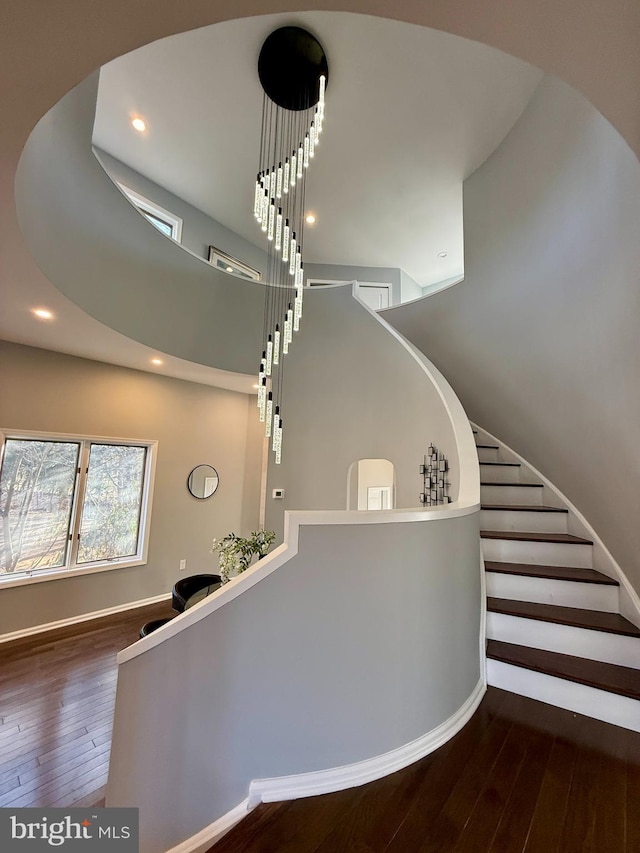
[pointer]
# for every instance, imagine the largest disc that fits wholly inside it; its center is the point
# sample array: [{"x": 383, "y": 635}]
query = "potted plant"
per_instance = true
[{"x": 235, "y": 553}]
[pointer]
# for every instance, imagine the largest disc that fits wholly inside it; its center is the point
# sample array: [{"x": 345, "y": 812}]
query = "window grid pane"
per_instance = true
[
  {"x": 37, "y": 487},
  {"x": 111, "y": 512}
]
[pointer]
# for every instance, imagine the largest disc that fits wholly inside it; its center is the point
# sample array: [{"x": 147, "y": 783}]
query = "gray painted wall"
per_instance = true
[
  {"x": 352, "y": 391},
  {"x": 541, "y": 339},
  {"x": 101, "y": 253},
  {"x": 194, "y": 424},
  {"x": 199, "y": 231},
  {"x": 320, "y": 664}
]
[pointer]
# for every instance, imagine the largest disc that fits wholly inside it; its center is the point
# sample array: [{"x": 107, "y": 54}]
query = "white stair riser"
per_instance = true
[
  {"x": 528, "y": 522},
  {"x": 599, "y": 704},
  {"x": 565, "y": 639},
  {"x": 486, "y": 454},
  {"x": 588, "y": 596},
  {"x": 518, "y": 495},
  {"x": 540, "y": 553},
  {"x": 499, "y": 473}
]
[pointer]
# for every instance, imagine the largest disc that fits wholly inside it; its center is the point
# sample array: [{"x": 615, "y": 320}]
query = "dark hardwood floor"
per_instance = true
[
  {"x": 57, "y": 693},
  {"x": 520, "y": 777}
]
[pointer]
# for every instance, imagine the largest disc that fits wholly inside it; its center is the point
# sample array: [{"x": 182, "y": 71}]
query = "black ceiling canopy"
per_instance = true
[{"x": 290, "y": 65}]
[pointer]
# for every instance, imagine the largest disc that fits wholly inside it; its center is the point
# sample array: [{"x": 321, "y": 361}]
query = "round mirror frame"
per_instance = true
[{"x": 200, "y": 491}]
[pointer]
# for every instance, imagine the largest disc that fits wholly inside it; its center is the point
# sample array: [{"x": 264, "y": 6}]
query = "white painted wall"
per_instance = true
[{"x": 541, "y": 339}]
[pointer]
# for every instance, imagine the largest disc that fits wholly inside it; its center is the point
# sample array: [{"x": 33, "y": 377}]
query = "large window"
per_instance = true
[{"x": 70, "y": 504}]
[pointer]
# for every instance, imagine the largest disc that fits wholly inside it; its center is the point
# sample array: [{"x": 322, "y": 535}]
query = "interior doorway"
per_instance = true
[{"x": 371, "y": 485}]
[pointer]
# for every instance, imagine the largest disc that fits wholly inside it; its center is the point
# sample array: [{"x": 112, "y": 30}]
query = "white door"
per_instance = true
[
  {"x": 378, "y": 497},
  {"x": 374, "y": 295}
]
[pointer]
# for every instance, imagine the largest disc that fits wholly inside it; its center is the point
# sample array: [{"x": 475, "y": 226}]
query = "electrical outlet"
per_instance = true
[{"x": 183, "y": 565}]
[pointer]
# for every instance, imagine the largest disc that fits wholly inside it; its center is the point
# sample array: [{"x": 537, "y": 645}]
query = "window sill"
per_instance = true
[{"x": 7, "y": 581}]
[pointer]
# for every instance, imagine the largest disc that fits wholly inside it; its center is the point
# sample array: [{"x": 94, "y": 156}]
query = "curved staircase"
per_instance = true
[{"x": 554, "y": 631}]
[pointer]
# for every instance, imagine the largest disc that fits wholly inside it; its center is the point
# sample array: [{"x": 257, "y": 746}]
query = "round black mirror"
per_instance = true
[{"x": 203, "y": 481}]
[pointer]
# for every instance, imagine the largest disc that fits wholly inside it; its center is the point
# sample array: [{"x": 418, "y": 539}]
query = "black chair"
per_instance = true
[
  {"x": 185, "y": 588},
  {"x": 148, "y": 627}
]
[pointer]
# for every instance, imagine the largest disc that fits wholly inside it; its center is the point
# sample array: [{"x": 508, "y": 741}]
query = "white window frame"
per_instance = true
[
  {"x": 145, "y": 205},
  {"x": 138, "y": 559},
  {"x": 216, "y": 255}
]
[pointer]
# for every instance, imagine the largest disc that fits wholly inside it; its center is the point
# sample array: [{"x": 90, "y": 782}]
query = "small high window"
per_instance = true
[
  {"x": 69, "y": 504},
  {"x": 159, "y": 217}
]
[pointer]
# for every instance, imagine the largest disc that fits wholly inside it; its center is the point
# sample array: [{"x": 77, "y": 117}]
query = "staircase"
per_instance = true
[{"x": 554, "y": 632}]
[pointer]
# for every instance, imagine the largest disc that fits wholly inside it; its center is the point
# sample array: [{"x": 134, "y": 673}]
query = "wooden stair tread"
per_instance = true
[
  {"x": 594, "y": 620},
  {"x": 517, "y": 485},
  {"x": 502, "y": 464},
  {"x": 560, "y": 573},
  {"x": 487, "y": 446},
  {"x": 522, "y": 508},
  {"x": 622, "y": 680},
  {"x": 525, "y": 536}
]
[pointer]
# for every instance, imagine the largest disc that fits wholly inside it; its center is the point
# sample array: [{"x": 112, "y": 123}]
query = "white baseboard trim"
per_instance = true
[
  {"x": 361, "y": 772},
  {"x": 208, "y": 836},
  {"x": 84, "y": 617}
]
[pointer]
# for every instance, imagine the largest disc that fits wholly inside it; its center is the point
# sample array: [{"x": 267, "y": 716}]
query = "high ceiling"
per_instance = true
[{"x": 411, "y": 112}]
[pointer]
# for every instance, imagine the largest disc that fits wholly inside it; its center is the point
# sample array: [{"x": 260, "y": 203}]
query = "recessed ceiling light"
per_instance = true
[
  {"x": 138, "y": 124},
  {"x": 43, "y": 313},
  {"x": 156, "y": 361},
  {"x": 310, "y": 218},
  {"x": 256, "y": 386},
  {"x": 443, "y": 254},
  {"x": 229, "y": 269}
]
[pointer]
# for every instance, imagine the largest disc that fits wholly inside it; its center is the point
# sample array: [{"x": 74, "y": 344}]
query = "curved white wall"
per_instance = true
[
  {"x": 541, "y": 339},
  {"x": 321, "y": 663},
  {"x": 101, "y": 253},
  {"x": 354, "y": 390}
]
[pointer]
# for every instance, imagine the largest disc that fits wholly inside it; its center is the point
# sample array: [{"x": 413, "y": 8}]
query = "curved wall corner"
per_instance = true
[
  {"x": 316, "y": 665},
  {"x": 103, "y": 255},
  {"x": 540, "y": 341},
  {"x": 354, "y": 390}
]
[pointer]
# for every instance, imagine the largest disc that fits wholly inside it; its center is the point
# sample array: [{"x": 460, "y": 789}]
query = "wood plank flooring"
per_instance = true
[
  {"x": 521, "y": 777},
  {"x": 57, "y": 694}
]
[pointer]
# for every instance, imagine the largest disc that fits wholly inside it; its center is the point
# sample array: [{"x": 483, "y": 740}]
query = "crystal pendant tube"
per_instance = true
[
  {"x": 272, "y": 183},
  {"x": 306, "y": 152},
  {"x": 279, "y": 182},
  {"x": 262, "y": 400},
  {"x": 257, "y": 206},
  {"x": 268, "y": 418},
  {"x": 272, "y": 219},
  {"x": 277, "y": 426},
  {"x": 288, "y": 324},
  {"x": 265, "y": 210},
  {"x": 312, "y": 139},
  {"x": 285, "y": 241},
  {"x": 293, "y": 253},
  {"x": 279, "y": 230},
  {"x": 269, "y": 361},
  {"x": 297, "y": 313},
  {"x": 279, "y": 448},
  {"x": 298, "y": 262},
  {"x": 322, "y": 87},
  {"x": 276, "y": 345},
  {"x": 261, "y": 374},
  {"x": 286, "y": 176},
  {"x": 300, "y": 160},
  {"x": 294, "y": 161}
]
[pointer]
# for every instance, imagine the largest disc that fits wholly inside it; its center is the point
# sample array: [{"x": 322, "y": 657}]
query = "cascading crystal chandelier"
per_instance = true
[{"x": 293, "y": 72}]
